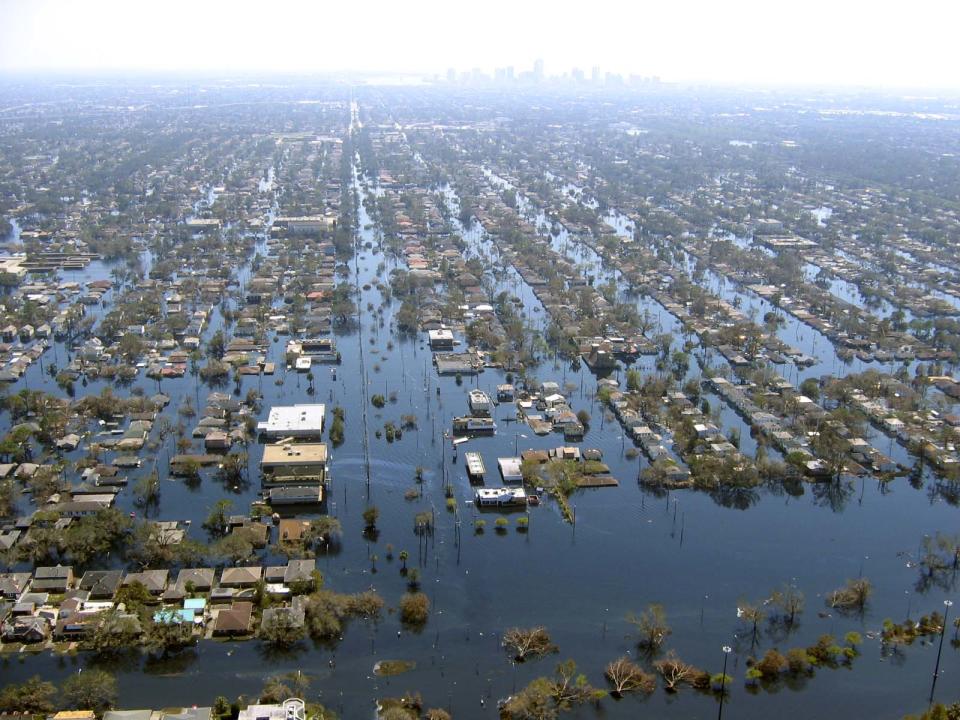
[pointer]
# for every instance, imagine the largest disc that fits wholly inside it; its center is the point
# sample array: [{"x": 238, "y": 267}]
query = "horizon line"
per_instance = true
[{"x": 435, "y": 78}]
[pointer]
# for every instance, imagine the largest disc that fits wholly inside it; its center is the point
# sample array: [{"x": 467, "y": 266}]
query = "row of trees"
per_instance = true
[{"x": 86, "y": 690}]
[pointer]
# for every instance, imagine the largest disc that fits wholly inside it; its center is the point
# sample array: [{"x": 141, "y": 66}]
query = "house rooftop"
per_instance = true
[
  {"x": 241, "y": 575},
  {"x": 235, "y": 619},
  {"x": 294, "y": 454},
  {"x": 128, "y": 715},
  {"x": 294, "y": 420}
]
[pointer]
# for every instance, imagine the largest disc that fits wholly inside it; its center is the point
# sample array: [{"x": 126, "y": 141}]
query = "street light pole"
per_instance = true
[
  {"x": 723, "y": 680},
  {"x": 947, "y": 604}
]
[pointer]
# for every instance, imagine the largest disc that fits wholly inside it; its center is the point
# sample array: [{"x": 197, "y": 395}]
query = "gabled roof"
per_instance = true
[
  {"x": 201, "y": 577},
  {"x": 299, "y": 570},
  {"x": 101, "y": 583},
  {"x": 56, "y": 572},
  {"x": 241, "y": 575},
  {"x": 153, "y": 580},
  {"x": 235, "y": 619}
]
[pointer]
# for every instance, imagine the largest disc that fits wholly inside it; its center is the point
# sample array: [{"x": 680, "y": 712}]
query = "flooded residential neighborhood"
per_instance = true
[{"x": 511, "y": 396}]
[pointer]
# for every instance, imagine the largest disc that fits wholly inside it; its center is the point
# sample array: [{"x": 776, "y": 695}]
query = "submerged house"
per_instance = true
[
  {"x": 294, "y": 421},
  {"x": 500, "y": 497},
  {"x": 440, "y": 339},
  {"x": 290, "y": 464}
]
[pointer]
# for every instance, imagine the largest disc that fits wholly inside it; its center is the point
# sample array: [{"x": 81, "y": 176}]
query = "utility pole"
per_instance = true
[{"x": 947, "y": 604}]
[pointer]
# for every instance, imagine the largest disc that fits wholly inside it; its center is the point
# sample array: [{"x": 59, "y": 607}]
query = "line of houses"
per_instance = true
[{"x": 52, "y": 603}]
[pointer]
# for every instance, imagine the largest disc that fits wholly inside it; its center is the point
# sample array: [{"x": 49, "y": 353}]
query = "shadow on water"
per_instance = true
[
  {"x": 176, "y": 663},
  {"x": 833, "y": 494}
]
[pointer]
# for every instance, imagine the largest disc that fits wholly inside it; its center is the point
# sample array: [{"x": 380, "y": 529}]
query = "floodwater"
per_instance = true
[
  {"x": 698, "y": 554},
  {"x": 790, "y": 330}
]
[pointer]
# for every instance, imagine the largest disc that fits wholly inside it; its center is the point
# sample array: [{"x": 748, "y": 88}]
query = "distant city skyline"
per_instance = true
[
  {"x": 881, "y": 43},
  {"x": 538, "y": 74}
]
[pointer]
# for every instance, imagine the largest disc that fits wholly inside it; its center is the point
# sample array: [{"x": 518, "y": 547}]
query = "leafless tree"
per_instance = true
[
  {"x": 676, "y": 672},
  {"x": 752, "y": 614},
  {"x": 652, "y": 626},
  {"x": 790, "y": 602},
  {"x": 626, "y": 676},
  {"x": 570, "y": 687},
  {"x": 852, "y": 596},
  {"x": 528, "y": 642}
]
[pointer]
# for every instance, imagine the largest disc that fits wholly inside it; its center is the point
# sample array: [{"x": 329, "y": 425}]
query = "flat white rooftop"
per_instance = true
[
  {"x": 501, "y": 496},
  {"x": 510, "y": 469},
  {"x": 287, "y": 455},
  {"x": 294, "y": 421},
  {"x": 305, "y": 219}
]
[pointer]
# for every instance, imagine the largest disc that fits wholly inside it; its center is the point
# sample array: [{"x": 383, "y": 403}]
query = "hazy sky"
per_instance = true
[{"x": 828, "y": 42}]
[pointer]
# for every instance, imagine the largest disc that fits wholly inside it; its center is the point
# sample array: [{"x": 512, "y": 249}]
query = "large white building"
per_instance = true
[
  {"x": 294, "y": 465},
  {"x": 305, "y": 224},
  {"x": 203, "y": 224},
  {"x": 291, "y": 709},
  {"x": 294, "y": 421},
  {"x": 441, "y": 339}
]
